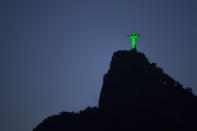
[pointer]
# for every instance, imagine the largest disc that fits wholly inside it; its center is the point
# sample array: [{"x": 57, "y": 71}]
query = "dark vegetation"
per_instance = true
[{"x": 136, "y": 95}]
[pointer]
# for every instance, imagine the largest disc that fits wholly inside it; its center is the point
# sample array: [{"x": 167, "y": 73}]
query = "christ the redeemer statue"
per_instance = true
[{"x": 133, "y": 38}]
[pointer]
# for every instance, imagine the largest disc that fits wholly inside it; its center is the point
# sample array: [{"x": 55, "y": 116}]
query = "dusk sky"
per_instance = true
[{"x": 54, "y": 53}]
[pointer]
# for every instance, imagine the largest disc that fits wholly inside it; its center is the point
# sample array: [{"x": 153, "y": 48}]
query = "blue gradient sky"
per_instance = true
[{"x": 53, "y": 54}]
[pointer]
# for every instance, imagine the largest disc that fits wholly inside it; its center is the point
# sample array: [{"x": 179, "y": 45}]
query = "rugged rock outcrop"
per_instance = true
[{"x": 136, "y": 95}]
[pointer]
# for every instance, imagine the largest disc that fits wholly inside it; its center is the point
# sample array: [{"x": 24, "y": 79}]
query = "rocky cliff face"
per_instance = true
[
  {"x": 133, "y": 81},
  {"x": 136, "y": 95},
  {"x": 124, "y": 79}
]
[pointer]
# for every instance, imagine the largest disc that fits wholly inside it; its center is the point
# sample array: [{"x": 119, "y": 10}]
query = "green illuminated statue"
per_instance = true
[{"x": 133, "y": 38}]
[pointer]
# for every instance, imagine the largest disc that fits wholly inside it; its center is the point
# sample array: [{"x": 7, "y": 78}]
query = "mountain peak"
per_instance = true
[
  {"x": 126, "y": 59},
  {"x": 132, "y": 78},
  {"x": 135, "y": 95}
]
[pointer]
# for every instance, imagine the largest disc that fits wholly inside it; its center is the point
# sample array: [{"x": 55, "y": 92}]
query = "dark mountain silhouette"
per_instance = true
[{"x": 136, "y": 95}]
